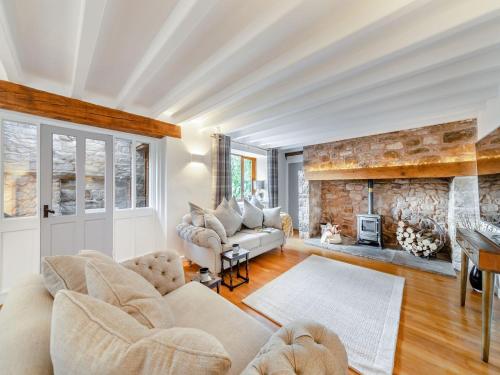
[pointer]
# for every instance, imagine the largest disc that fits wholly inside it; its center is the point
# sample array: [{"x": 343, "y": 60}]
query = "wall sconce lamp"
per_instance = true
[{"x": 197, "y": 158}]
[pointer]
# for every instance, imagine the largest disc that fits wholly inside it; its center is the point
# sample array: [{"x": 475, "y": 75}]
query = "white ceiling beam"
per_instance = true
[
  {"x": 441, "y": 117},
  {"x": 207, "y": 68},
  {"x": 89, "y": 26},
  {"x": 422, "y": 31},
  {"x": 185, "y": 17},
  {"x": 438, "y": 96},
  {"x": 364, "y": 19},
  {"x": 8, "y": 52},
  {"x": 470, "y": 72},
  {"x": 378, "y": 122},
  {"x": 463, "y": 46}
]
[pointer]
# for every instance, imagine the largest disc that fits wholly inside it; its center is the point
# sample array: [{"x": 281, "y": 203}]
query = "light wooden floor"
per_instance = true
[{"x": 436, "y": 335}]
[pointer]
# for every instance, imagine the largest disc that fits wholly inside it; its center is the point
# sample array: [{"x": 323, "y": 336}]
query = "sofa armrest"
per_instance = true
[
  {"x": 301, "y": 347},
  {"x": 163, "y": 269},
  {"x": 202, "y": 237}
]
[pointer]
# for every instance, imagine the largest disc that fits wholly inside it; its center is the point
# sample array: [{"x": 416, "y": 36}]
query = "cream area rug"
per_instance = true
[{"x": 361, "y": 305}]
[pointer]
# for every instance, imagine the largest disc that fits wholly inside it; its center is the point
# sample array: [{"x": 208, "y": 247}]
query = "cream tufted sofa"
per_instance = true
[
  {"x": 203, "y": 246},
  {"x": 303, "y": 347}
]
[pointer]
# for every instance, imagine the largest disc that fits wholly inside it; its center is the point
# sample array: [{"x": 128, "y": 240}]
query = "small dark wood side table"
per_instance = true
[
  {"x": 213, "y": 283},
  {"x": 231, "y": 258},
  {"x": 486, "y": 256}
]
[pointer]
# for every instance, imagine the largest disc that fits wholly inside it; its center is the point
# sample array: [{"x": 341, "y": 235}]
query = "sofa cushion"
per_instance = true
[
  {"x": 257, "y": 203},
  {"x": 196, "y": 306},
  {"x": 197, "y": 214},
  {"x": 270, "y": 236},
  {"x": 235, "y": 206},
  {"x": 68, "y": 271},
  {"x": 126, "y": 289},
  {"x": 211, "y": 222},
  {"x": 247, "y": 239},
  {"x": 25, "y": 329},
  {"x": 229, "y": 218},
  {"x": 90, "y": 336},
  {"x": 252, "y": 216},
  {"x": 272, "y": 217}
]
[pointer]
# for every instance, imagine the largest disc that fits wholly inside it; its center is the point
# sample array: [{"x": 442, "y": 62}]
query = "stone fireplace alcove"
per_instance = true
[{"x": 424, "y": 172}]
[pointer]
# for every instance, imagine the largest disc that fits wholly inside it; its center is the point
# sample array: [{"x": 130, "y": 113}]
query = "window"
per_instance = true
[
  {"x": 63, "y": 174},
  {"x": 243, "y": 175},
  {"x": 123, "y": 173},
  {"x": 125, "y": 180},
  {"x": 19, "y": 146},
  {"x": 142, "y": 175},
  {"x": 95, "y": 174}
]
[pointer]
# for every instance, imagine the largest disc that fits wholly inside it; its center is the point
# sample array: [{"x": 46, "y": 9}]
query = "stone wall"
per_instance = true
[
  {"x": 489, "y": 198},
  {"x": 409, "y": 199},
  {"x": 309, "y": 206},
  {"x": 451, "y": 142},
  {"x": 463, "y": 202},
  {"x": 19, "y": 167}
]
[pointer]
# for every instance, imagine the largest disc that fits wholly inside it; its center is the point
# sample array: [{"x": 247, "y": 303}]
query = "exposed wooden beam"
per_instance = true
[
  {"x": 466, "y": 168},
  {"x": 25, "y": 99},
  {"x": 91, "y": 14}
]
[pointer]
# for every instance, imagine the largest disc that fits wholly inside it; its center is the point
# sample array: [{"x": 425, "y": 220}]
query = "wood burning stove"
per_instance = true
[{"x": 370, "y": 224}]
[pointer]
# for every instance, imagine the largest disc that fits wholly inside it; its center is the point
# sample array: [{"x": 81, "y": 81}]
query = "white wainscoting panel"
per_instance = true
[{"x": 19, "y": 254}]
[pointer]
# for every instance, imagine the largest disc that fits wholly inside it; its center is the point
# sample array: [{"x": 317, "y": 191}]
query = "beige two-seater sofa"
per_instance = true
[
  {"x": 25, "y": 327},
  {"x": 203, "y": 246}
]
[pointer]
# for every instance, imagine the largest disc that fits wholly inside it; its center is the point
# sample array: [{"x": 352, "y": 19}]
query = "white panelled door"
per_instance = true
[{"x": 76, "y": 191}]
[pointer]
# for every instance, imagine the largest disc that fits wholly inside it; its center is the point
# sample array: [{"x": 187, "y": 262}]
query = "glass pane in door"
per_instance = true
[
  {"x": 247, "y": 169},
  {"x": 19, "y": 156},
  {"x": 63, "y": 174},
  {"x": 95, "y": 171},
  {"x": 142, "y": 175},
  {"x": 123, "y": 173}
]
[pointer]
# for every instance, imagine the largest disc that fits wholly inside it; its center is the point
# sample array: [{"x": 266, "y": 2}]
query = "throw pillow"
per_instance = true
[
  {"x": 252, "y": 216},
  {"x": 257, "y": 203},
  {"x": 211, "y": 222},
  {"x": 68, "y": 271},
  {"x": 89, "y": 336},
  {"x": 229, "y": 218},
  {"x": 197, "y": 215},
  {"x": 132, "y": 293},
  {"x": 235, "y": 206},
  {"x": 272, "y": 217}
]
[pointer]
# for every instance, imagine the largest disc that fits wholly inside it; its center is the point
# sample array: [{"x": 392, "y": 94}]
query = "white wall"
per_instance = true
[
  {"x": 489, "y": 118},
  {"x": 185, "y": 180}
]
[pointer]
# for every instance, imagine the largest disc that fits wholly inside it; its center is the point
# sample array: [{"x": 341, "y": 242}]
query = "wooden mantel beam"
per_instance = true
[{"x": 15, "y": 97}]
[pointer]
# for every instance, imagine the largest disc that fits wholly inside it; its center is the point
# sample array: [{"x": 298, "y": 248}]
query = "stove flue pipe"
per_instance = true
[{"x": 370, "y": 197}]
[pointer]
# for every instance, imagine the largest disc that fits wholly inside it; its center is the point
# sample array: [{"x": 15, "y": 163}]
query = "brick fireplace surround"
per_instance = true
[{"x": 324, "y": 196}]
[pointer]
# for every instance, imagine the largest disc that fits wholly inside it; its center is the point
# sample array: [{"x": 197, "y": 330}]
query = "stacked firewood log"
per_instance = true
[{"x": 424, "y": 239}]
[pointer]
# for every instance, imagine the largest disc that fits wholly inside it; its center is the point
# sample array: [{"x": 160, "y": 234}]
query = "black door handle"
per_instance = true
[{"x": 46, "y": 210}]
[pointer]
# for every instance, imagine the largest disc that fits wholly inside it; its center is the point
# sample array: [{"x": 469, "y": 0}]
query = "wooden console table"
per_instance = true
[{"x": 486, "y": 256}]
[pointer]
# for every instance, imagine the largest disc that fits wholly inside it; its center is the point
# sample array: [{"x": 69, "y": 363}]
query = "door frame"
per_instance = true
[{"x": 45, "y": 189}]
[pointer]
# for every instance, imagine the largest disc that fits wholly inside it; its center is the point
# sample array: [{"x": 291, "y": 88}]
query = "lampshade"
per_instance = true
[{"x": 258, "y": 184}]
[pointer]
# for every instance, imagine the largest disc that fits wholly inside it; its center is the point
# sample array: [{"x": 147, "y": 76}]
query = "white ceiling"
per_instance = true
[{"x": 281, "y": 73}]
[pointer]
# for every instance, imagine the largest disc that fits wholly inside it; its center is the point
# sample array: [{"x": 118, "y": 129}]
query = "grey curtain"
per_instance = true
[
  {"x": 221, "y": 168},
  {"x": 272, "y": 177}
]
